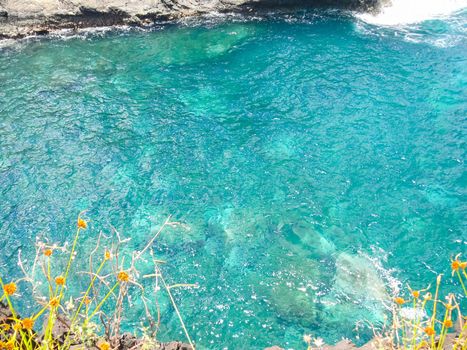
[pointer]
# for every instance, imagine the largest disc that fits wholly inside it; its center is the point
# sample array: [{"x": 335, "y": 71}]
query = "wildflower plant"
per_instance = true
[
  {"x": 111, "y": 275},
  {"x": 425, "y": 321},
  {"x": 420, "y": 320},
  {"x": 313, "y": 343}
]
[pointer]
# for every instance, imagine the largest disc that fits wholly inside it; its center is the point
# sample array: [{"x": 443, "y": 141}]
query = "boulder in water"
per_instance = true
[
  {"x": 294, "y": 305},
  {"x": 358, "y": 292}
]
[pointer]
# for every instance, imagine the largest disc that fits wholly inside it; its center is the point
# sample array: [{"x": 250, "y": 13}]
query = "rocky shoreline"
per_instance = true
[
  {"x": 61, "y": 328},
  {"x": 21, "y": 18},
  {"x": 127, "y": 341}
]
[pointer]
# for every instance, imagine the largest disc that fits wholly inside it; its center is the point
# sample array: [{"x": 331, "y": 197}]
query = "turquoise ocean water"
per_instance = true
[{"x": 317, "y": 163}]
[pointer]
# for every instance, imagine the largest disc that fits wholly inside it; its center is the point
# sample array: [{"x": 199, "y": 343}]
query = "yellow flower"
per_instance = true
[
  {"x": 10, "y": 345},
  {"x": 87, "y": 300},
  {"x": 455, "y": 265},
  {"x": 463, "y": 265},
  {"x": 415, "y": 293},
  {"x": 6, "y": 326},
  {"x": 82, "y": 224},
  {"x": 448, "y": 323},
  {"x": 28, "y": 323},
  {"x": 399, "y": 300},
  {"x": 54, "y": 302},
  {"x": 60, "y": 280},
  {"x": 123, "y": 276},
  {"x": 10, "y": 288},
  {"x": 48, "y": 252},
  {"x": 429, "y": 331},
  {"x": 17, "y": 326},
  {"x": 423, "y": 344},
  {"x": 107, "y": 255},
  {"x": 104, "y": 346}
]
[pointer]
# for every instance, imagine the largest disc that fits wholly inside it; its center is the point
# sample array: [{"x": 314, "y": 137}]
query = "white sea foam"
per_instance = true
[
  {"x": 401, "y": 12},
  {"x": 379, "y": 257},
  {"x": 409, "y": 313}
]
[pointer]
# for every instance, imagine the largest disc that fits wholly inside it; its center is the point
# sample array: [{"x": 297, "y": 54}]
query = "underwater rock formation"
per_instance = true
[
  {"x": 356, "y": 280},
  {"x": 19, "y": 18},
  {"x": 290, "y": 287}
]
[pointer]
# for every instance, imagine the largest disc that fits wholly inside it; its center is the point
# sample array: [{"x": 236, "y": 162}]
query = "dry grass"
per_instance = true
[{"x": 110, "y": 278}]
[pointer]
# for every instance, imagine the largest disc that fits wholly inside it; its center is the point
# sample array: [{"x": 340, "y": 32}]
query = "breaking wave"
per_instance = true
[{"x": 400, "y": 12}]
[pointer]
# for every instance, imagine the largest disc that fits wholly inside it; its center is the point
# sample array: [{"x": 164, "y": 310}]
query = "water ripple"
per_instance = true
[{"x": 297, "y": 150}]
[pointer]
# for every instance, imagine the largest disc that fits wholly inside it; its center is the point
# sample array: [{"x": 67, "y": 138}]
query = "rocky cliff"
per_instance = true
[{"x": 19, "y": 18}]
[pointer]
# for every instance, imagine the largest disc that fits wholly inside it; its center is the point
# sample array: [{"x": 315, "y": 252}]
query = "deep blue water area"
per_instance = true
[{"x": 316, "y": 162}]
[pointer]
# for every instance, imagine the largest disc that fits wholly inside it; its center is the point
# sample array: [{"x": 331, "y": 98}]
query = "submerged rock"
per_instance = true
[
  {"x": 289, "y": 287},
  {"x": 356, "y": 277},
  {"x": 294, "y": 305},
  {"x": 197, "y": 45},
  {"x": 307, "y": 237},
  {"x": 358, "y": 292}
]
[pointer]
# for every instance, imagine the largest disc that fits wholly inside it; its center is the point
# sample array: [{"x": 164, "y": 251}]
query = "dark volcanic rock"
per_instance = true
[
  {"x": 60, "y": 327},
  {"x": 175, "y": 345},
  {"x": 127, "y": 341},
  {"x": 5, "y": 313},
  {"x": 342, "y": 345},
  {"x": 347, "y": 4}
]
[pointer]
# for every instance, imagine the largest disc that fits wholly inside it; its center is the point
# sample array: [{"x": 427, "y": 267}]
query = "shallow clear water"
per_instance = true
[{"x": 315, "y": 161}]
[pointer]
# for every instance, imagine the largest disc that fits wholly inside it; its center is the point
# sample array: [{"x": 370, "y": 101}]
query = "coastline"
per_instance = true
[
  {"x": 52, "y": 26},
  {"x": 22, "y": 18}
]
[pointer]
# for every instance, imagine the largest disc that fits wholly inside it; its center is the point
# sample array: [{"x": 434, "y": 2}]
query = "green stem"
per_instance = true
[
  {"x": 443, "y": 331},
  {"x": 49, "y": 279},
  {"x": 70, "y": 259},
  {"x": 417, "y": 323},
  {"x": 75, "y": 316},
  {"x": 438, "y": 281},
  {"x": 10, "y": 305},
  {"x": 461, "y": 336},
  {"x": 87, "y": 291},
  {"x": 40, "y": 312},
  {"x": 102, "y": 302},
  {"x": 462, "y": 282}
]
